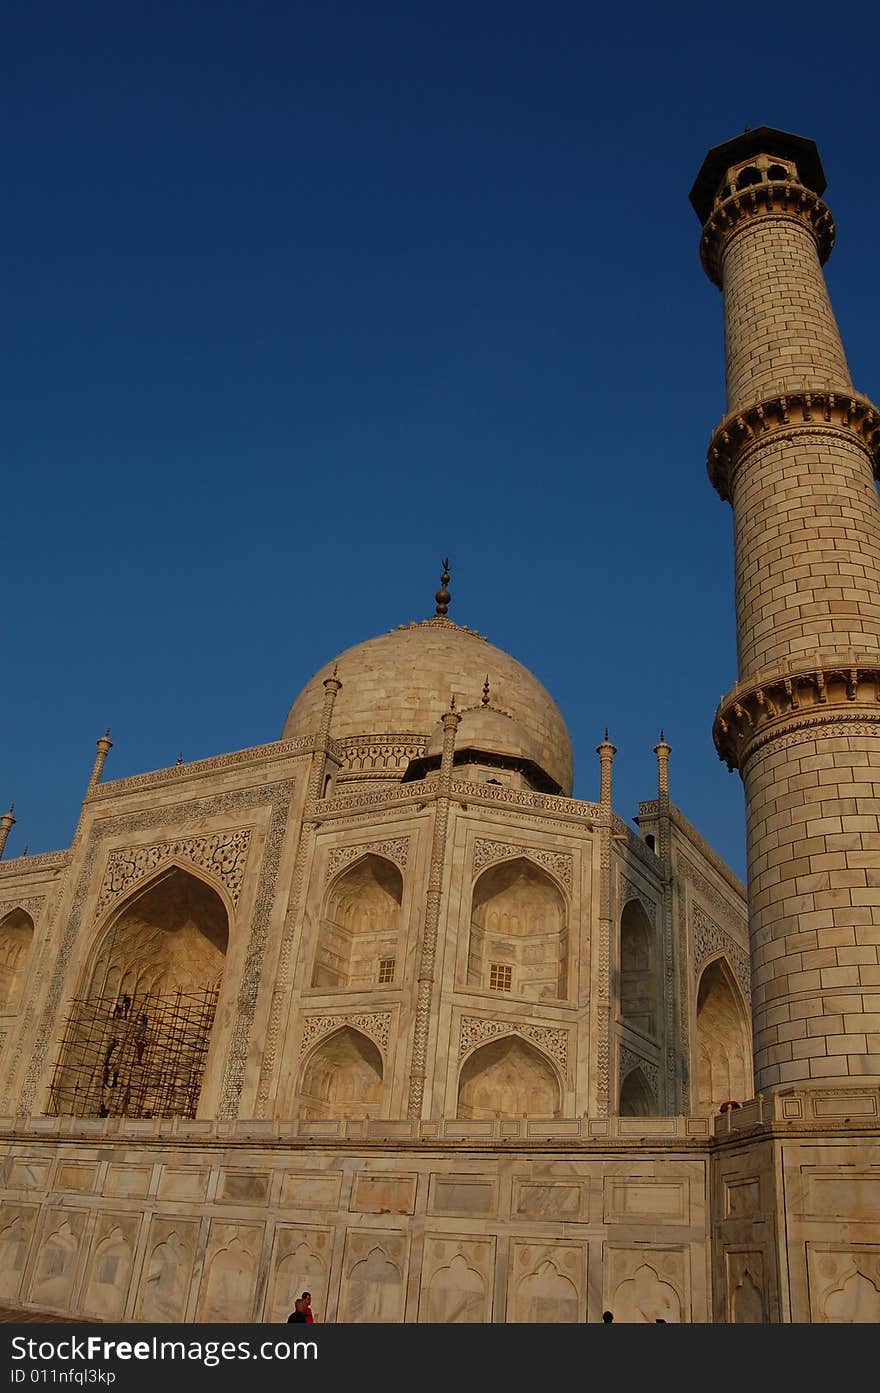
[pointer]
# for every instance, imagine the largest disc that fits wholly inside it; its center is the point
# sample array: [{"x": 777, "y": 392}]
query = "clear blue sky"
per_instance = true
[{"x": 300, "y": 298}]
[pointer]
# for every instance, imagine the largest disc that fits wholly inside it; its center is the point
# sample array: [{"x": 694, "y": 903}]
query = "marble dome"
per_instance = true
[{"x": 399, "y": 684}]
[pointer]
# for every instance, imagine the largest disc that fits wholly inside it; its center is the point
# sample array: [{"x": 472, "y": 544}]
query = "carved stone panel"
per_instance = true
[
  {"x": 53, "y": 1276},
  {"x": 548, "y": 1283},
  {"x": 167, "y": 1269},
  {"x": 746, "y": 1300},
  {"x": 383, "y": 1193},
  {"x": 709, "y": 940},
  {"x": 844, "y": 1284},
  {"x": 229, "y": 1277},
  {"x": 109, "y": 1265},
  {"x": 300, "y": 1262},
  {"x": 488, "y": 853},
  {"x": 17, "y": 1226},
  {"x": 396, "y": 850},
  {"x": 643, "y": 1285},
  {"x": 457, "y": 1279},
  {"x": 475, "y": 1031},
  {"x": 374, "y": 1277},
  {"x": 222, "y": 855},
  {"x": 376, "y": 1024}
]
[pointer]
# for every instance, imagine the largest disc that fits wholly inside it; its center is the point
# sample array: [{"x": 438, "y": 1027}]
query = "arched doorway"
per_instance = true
[
  {"x": 639, "y": 976},
  {"x": 518, "y": 936},
  {"x": 636, "y": 1098},
  {"x": 724, "y": 1069},
  {"x": 359, "y": 941},
  {"x": 16, "y": 937},
  {"x": 342, "y": 1077},
  {"x": 137, "y": 1037},
  {"x": 508, "y": 1078}
]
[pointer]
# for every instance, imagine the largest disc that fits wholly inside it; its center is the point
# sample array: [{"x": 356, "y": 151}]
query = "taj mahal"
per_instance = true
[{"x": 381, "y": 1011}]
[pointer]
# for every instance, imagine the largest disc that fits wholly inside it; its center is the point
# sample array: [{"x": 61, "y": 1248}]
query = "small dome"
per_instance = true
[
  {"x": 492, "y": 731},
  {"x": 400, "y": 683}
]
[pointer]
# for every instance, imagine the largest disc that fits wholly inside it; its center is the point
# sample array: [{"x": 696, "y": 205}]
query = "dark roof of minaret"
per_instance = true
[{"x": 764, "y": 140}]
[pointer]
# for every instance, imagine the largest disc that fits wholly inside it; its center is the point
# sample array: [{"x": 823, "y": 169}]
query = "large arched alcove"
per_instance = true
[
  {"x": 639, "y": 977},
  {"x": 519, "y": 934},
  {"x": 359, "y": 941},
  {"x": 636, "y": 1098},
  {"x": 138, "y": 1034},
  {"x": 342, "y": 1077},
  {"x": 723, "y": 1043},
  {"x": 508, "y": 1078},
  {"x": 16, "y": 937}
]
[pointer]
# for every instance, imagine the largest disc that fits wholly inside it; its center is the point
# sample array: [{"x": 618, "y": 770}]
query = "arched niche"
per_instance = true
[
  {"x": 518, "y": 939},
  {"x": 636, "y": 1098},
  {"x": 138, "y": 1033},
  {"x": 342, "y": 1077},
  {"x": 508, "y": 1078},
  {"x": 639, "y": 976},
  {"x": 359, "y": 940},
  {"x": 723, "y": 1044},
  {"x": 16, "y": 937}
]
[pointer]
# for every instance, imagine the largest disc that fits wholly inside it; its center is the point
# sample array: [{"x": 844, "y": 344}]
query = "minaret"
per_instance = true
[{"x": 796, "y": 457}]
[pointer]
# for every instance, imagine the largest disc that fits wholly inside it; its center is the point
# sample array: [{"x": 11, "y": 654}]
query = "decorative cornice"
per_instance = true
[
  {"x": 396, "y": 850},
  {"x": 279, "y": 749},
  {"x": 425, "y": 790},
  {"x": 790, "y": 412},
  {"x": 223, "y": 855},
  {"x": 847, "y": 690},
  {"x": 438, "y": 621},
  {"x": 46, "y": 860},
  {"x": 781, "y": 199},
  {"x": 474, "y": 1032},
  {"x": 487, "y": 853},
  {"x": 376, "y": 1024}
]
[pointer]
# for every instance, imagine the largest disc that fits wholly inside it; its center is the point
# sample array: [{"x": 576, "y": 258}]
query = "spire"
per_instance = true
[
  {"x": 7, "y": 822},
  {"x": 484, "y": 699},
  {"x": 443, "y": 596}
]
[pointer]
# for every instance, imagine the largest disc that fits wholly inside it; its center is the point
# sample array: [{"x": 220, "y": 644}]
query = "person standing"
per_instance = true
[
  {"x": 306, "y": 1300},
  {"x": 297, "y": 1315}
]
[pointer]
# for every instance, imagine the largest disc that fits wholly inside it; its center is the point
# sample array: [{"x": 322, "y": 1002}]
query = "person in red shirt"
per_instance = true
[{"x": 306, "y": 1299}]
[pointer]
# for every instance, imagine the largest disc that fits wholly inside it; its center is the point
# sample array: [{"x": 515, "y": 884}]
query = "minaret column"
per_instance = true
[{"x": 796, "y": 457}]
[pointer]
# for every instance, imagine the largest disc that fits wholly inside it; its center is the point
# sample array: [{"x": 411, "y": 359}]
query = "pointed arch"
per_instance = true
[
  {"x": 518, "y": 940},
  {"x": 636, "y": 1098},
  {"x": 342, "y": 1077},
  {"x": 508, "y": 1077},
  {"x": 139, "y": 1031},
  {"x": 360, "y": 926},
  {"x": 16, "y": 940},
  {"x": 639, "y": 998},
  {"x": 723, "y": 1044}
]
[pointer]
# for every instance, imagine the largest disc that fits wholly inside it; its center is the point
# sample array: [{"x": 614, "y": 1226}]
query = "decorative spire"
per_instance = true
[
  {"x": 484, "y": 699},
  {"x": 179, "y": 760},
  {"x": 7, "y": 822},
  {"x": 443, "y": 596}
]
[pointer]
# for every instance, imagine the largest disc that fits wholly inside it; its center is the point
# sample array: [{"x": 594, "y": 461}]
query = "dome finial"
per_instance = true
[
  {"x": 484, "y": 699},
  {"x": 443, "y": 596}
]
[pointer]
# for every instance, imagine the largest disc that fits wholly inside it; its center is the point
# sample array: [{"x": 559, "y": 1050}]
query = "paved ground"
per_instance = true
[{"x": 14, "y": 1315}]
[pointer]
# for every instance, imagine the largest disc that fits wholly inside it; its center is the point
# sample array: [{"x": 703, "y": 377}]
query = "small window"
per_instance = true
[
  {"x": 500, "y": 977},
  {"x": 778, "y": 171},
  {"x": 748, "y": 176},
  {"x": 386, "y": 969}
]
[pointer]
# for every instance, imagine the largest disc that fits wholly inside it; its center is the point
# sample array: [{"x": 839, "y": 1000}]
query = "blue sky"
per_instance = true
[{"x": 299, "y": 299}]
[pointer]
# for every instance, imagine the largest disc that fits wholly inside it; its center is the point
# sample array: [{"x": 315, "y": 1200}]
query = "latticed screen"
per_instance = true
[
  {"x": 500, "y": 977},
  {"x": 134, "y": 1056},
  {"x": 386, "y": 969}
]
